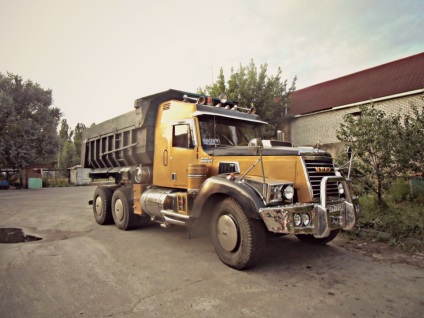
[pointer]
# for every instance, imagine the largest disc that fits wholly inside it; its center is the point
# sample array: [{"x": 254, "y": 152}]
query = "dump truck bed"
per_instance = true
[{"x": 125, "y": 140}]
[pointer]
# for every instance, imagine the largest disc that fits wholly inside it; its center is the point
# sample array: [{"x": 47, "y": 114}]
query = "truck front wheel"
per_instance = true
[
  {"x": 122, "y": 209},
  {"x": 102, "y": 205},
  {"x": 310, "y": 239},
  {"x": 238, "y": 240}
]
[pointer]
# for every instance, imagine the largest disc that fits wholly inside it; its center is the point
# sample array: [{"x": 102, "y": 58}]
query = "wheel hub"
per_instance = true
[
  {"x": 99, "y": 206},
  {"x": 227, "y": 233},
  {"x": 119, "y": 209}
]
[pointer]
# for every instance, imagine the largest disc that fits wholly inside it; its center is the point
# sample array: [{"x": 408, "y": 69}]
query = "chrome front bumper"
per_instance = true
[{"x": 325, "y": 216}]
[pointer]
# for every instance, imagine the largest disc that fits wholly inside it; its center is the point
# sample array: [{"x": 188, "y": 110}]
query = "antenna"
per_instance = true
[{"x": 212, "y": 71}]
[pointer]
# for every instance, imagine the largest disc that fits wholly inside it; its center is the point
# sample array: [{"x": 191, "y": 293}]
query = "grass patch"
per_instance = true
[{"x": 399, "y": 221}]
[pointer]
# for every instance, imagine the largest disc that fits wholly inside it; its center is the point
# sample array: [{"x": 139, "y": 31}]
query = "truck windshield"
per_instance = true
[{"x": 217, "y": 131}]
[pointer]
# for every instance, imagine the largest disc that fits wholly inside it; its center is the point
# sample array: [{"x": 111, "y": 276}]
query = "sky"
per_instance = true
[{"x": 98, "y": 56}]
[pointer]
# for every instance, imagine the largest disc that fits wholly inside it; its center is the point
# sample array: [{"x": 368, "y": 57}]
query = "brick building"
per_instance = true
[{"x": 318, "y": 110}]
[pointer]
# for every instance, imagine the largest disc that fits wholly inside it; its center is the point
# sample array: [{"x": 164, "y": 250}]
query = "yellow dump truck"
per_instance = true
[{"x": 182, "y": 159}]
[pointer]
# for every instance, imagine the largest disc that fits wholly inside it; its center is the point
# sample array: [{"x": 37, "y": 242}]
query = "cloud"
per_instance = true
[{"x": 99, "y": 56}]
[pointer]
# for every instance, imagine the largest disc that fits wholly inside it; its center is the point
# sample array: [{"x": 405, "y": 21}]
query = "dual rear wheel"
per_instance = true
[
  {"x": 111, "y": 204},
  {"x": 101, "y": 205}
]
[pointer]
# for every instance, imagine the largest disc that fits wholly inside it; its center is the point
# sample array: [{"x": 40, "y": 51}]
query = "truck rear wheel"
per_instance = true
[
  {"x": 310, "y": 239},
  {"x": 238, "y": 240},
  {"x": 102, "y": 205},
  {"x": 122, "y": 209}
]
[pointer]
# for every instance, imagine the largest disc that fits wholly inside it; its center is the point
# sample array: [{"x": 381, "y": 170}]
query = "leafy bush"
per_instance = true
[
  {"x": 417, "y": 189},
  {"x": 46, "y": 183},
  {"x": 399, "y": 191},
  {"x": 55, "y": 182},
  {"x": 385, "y": 146}
]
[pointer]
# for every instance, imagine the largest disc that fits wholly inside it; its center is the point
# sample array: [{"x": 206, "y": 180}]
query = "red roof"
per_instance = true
[{"x": 392, "y": 78}]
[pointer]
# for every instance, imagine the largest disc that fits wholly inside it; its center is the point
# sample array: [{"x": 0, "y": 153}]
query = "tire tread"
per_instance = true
[{"x": 105, "y": 193}]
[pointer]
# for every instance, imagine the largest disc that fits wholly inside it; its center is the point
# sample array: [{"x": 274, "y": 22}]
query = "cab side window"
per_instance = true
[{"x": 181, "y": 136}]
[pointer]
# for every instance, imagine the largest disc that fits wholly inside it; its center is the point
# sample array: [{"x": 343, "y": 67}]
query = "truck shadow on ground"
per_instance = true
[
  {"x": 279, "y": 252},
  {"x": 288, "y": 251}
]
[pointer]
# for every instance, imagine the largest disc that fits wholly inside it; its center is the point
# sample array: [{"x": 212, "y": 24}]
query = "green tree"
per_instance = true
[
  {"x": 70, "y": 150},
  {"x": 64, "y": 131},
  {"x": 67, "y": 155},
  {"x": 270, "y": 95},
  {"x": 28, "y": 130},
  {"x": 64, "y": 136},
  {"x": 78, "y": 140},
  {"x": 409, "y": 141},
  {"x": 372, "y": 138}
]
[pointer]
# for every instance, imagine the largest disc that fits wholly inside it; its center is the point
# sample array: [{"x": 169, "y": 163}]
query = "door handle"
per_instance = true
[{"x": 165, "y": 157}]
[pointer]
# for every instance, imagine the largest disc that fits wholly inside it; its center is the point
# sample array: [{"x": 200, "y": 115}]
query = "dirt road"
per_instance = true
[{"x": 81, "y": 269}]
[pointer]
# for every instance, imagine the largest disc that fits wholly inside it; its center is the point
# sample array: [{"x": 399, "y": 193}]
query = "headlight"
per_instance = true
[
  {"x": 297, "y": 220},
  {"x": 288, "y": 192},
  {"x": 277, "y": 193},
  {"x": 341, "y": 189}
]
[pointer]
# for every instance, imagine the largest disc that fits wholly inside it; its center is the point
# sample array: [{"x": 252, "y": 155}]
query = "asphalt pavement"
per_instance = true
[{"x": 82, "y": 269}]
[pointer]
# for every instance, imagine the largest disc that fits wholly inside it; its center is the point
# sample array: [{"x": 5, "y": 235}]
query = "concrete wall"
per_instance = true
[
  {"x": 321, "y": 128},
  {"x": 79, "y": 176}
]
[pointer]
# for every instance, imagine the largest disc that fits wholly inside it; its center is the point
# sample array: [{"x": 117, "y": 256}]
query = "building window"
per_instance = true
[{"x": 356, "y": 115}]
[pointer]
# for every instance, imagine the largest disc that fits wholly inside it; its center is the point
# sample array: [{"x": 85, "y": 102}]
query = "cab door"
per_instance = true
[{"x": 183, "y": 151}]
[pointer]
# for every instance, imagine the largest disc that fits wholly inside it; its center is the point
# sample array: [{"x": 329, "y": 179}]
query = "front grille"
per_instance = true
[{"x": 318, "y": 168}]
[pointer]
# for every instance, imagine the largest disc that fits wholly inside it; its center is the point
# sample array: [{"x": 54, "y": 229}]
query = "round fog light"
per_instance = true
[
  {"x": 306, "y": 219},
  {"x": 297, "y": 219}
]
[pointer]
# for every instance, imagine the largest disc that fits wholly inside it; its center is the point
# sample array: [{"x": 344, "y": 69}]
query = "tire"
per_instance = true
[
  {"x": 310, "y": 239},
  {"x": 238, "y": 240},
  {"x": 102, "y": 200},
  {"x": 122, "y": 209},
  {"x": 144, "y": 220}
]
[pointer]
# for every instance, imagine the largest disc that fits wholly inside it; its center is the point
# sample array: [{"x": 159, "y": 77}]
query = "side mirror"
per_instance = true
[
  {"x": 349, "y": 152},
  {"x": 256, "y": 146}
]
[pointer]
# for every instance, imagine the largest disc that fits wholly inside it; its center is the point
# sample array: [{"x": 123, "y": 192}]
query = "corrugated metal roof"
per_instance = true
[{"x": 392, "y": 78}]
